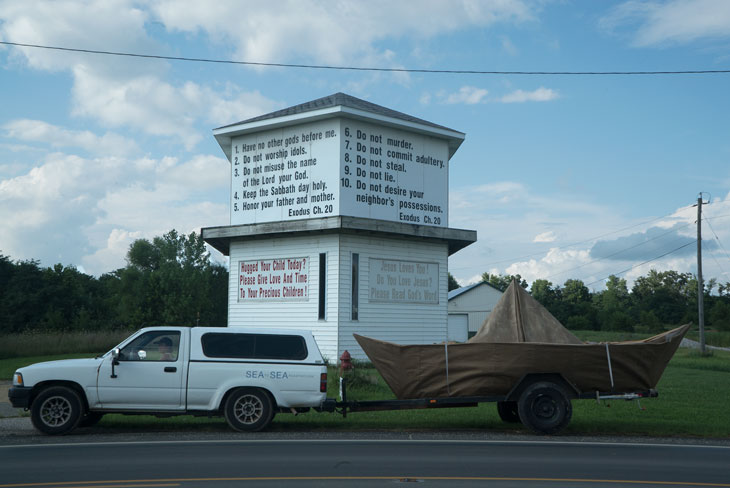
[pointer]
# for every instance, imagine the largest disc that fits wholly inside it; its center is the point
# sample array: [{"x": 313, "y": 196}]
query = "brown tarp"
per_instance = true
[
  {"x": 517, "y": 317},
  {"x": 480, "y": 368}
]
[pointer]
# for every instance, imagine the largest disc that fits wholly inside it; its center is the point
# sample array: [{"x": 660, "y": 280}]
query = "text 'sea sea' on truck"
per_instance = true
[{"x": 244, "y": 374}]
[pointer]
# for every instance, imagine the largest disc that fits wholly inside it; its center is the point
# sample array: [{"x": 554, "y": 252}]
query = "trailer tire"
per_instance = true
[
  {"x": 508, "y": 411},
  {"x": 544, "y": 407},
  {"x": 248, "y": 410},
  {"x": 56, "y": 410}
]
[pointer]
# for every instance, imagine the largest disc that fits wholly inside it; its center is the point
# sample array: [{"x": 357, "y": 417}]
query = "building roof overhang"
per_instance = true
[{"x": 221, "y": 237}]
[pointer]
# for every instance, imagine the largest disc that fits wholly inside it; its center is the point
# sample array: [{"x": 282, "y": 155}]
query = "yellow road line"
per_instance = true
[{"x": 177, "y": 481}]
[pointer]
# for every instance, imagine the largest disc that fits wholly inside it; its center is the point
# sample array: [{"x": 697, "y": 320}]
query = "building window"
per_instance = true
[
  {"x": 322, "y": 285},
  {"x": 355, "y": 287}
]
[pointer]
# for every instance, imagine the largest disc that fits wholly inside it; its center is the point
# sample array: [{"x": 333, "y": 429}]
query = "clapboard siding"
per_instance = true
[
  {"x": 404, "y": 323},
  {"x": 477, "y": 301},
  {"x": 289, "y": 314}
]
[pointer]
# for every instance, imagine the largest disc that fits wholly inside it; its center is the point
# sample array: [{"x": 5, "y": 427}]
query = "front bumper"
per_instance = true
[{"x": 19, "y": 396}]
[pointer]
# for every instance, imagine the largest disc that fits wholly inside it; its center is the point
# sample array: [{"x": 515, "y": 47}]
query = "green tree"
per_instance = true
[
  {"x": 453, "y": 284},
  {"x": 670, "y": 295},
  {"x": 170, "y": 281},
  {"x": 501, "y": 282},
  {"x": 577, "y": 310},
  {"x": 543, "y": 292},
  {"x": 613, "y": 306}
]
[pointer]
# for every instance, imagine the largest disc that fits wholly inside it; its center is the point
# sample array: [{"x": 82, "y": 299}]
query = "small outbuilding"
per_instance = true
[{"x": 469, "y": 306}]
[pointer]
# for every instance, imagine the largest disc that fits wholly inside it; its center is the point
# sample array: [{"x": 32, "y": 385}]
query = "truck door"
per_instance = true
[{"x": 149, "y": 375}]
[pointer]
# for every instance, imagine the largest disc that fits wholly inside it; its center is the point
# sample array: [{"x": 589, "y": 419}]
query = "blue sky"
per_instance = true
[{"x": 562, "y": 176}]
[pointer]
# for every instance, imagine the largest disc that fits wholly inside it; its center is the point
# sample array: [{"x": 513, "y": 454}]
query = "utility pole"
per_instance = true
[{"x": 700, "y": 286}]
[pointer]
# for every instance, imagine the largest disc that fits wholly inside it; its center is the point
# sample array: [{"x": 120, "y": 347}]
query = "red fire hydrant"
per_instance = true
[{"x": 345, "y": 362}]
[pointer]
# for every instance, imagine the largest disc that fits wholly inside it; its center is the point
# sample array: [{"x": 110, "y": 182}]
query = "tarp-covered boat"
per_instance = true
[{"x": 520, "y": 337}]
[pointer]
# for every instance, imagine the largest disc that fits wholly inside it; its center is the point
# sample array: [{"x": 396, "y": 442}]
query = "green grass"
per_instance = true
[
  {"x": 693, "y": 401},
  {"x": 51, "y": 343},
  {"x": 712, "y": 337}
]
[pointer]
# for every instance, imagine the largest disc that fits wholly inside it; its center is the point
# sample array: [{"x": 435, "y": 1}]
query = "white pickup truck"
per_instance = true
[{"x": 244, "y": 374}]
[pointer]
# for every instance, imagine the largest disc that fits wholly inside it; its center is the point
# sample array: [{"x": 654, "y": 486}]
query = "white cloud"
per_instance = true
[
  {"x": 160, "y": 108},
  {"x": 76, "y": 24},
  {"x": 120, "y": 92},
  {"x": 58, "y": 137},
  {"x": 552, "y": 266},
  {"x": 676, "y": 21},
  {"x": 93, "y": 208},
  {"x": 353, "y": 28},
  {"x": 548, "y": 236},
  {"x": 468, "y": 95},
  {"x": 514, "y": 224},
  {"x": 542, "y": 94}
]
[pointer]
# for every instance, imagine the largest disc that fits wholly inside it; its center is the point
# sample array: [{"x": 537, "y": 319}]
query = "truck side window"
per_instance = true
[
  {"x": 153, "y": 346},
  {"x": 254, "y": 346}
]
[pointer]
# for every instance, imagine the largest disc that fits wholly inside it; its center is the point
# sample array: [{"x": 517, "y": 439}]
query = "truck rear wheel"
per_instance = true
[
  {"x": 56, "y": 410},
  {"x": 544, "y": 407},
  {"x": 248, "y": 410}
]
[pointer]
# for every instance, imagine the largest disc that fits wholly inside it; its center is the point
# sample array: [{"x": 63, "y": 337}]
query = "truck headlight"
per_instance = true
[{"x": 17, "y": 379}]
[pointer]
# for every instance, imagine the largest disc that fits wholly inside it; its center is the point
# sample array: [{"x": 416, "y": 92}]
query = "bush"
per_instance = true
[{"x": 719, "y": 316}]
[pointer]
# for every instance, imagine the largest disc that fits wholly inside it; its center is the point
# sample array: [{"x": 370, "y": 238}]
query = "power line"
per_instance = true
[
  {"x": 645, "y": 262},
  {"x": 583, "y": 241},
  {"x": 362, "y": 68},
  {"x": 619, "y": 251},
  {"x": 720, "y": 243}
]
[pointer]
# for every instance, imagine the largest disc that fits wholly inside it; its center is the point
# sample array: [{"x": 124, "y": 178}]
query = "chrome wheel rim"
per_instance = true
[
  {"x": 56, "y": 411},
  {"x": 248, "y": 409}
]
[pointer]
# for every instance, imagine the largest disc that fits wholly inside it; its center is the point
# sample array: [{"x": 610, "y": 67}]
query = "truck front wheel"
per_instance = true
[
  {"x": 248, "y": 410},
  {"x": 56, "y": 410}
]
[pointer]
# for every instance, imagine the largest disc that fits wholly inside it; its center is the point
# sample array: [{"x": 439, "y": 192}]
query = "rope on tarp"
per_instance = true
[
  {"x": 446, "y": 351},
  {"x": 610, "y": 370}
]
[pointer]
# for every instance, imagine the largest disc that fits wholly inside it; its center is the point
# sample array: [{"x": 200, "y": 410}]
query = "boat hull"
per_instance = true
[{"x": 486, "y": 369}]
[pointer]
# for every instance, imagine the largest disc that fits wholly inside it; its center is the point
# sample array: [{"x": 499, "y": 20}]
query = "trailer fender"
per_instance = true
[{"x": 528, "y": 379}]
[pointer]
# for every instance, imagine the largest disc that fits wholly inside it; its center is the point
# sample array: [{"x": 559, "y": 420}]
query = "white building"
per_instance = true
[
  {"x": 469, "y": 307},
  {"x": 339, "y": 223}
]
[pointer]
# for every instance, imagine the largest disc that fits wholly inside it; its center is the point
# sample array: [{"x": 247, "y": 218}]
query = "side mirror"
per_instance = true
[{"x": 115, "y": 360}]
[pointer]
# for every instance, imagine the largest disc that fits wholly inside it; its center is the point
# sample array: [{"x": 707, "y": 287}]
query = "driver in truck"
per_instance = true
[{"x": 164, "y": 346}]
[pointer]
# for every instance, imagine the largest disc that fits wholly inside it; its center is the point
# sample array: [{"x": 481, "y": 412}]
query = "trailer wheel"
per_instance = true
[
  {"x": 56, "y": 410},
  {"x": 248, "y": 410},
  {"x": 508, "y": 411},
  {"x": 544, "y": 408}
]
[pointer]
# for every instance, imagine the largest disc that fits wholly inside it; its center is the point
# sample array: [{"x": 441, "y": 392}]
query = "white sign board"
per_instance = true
[
  {"x": 339, "y": 167},
  {"x": 273, "y": 279},
  {"x": 395, "y": 281}
]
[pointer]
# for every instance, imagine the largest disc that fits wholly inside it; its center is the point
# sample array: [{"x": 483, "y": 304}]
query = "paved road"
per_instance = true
[{"x": 363, "y": 463}]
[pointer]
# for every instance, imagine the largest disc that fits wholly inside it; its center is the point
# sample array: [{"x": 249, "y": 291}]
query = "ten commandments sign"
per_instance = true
[{"x": 339, "y": 166}]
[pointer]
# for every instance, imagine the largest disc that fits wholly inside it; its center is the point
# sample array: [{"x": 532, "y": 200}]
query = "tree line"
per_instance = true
[
  {"x": 658, "y": 300},
  {"x": 170, "y": 280}
]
